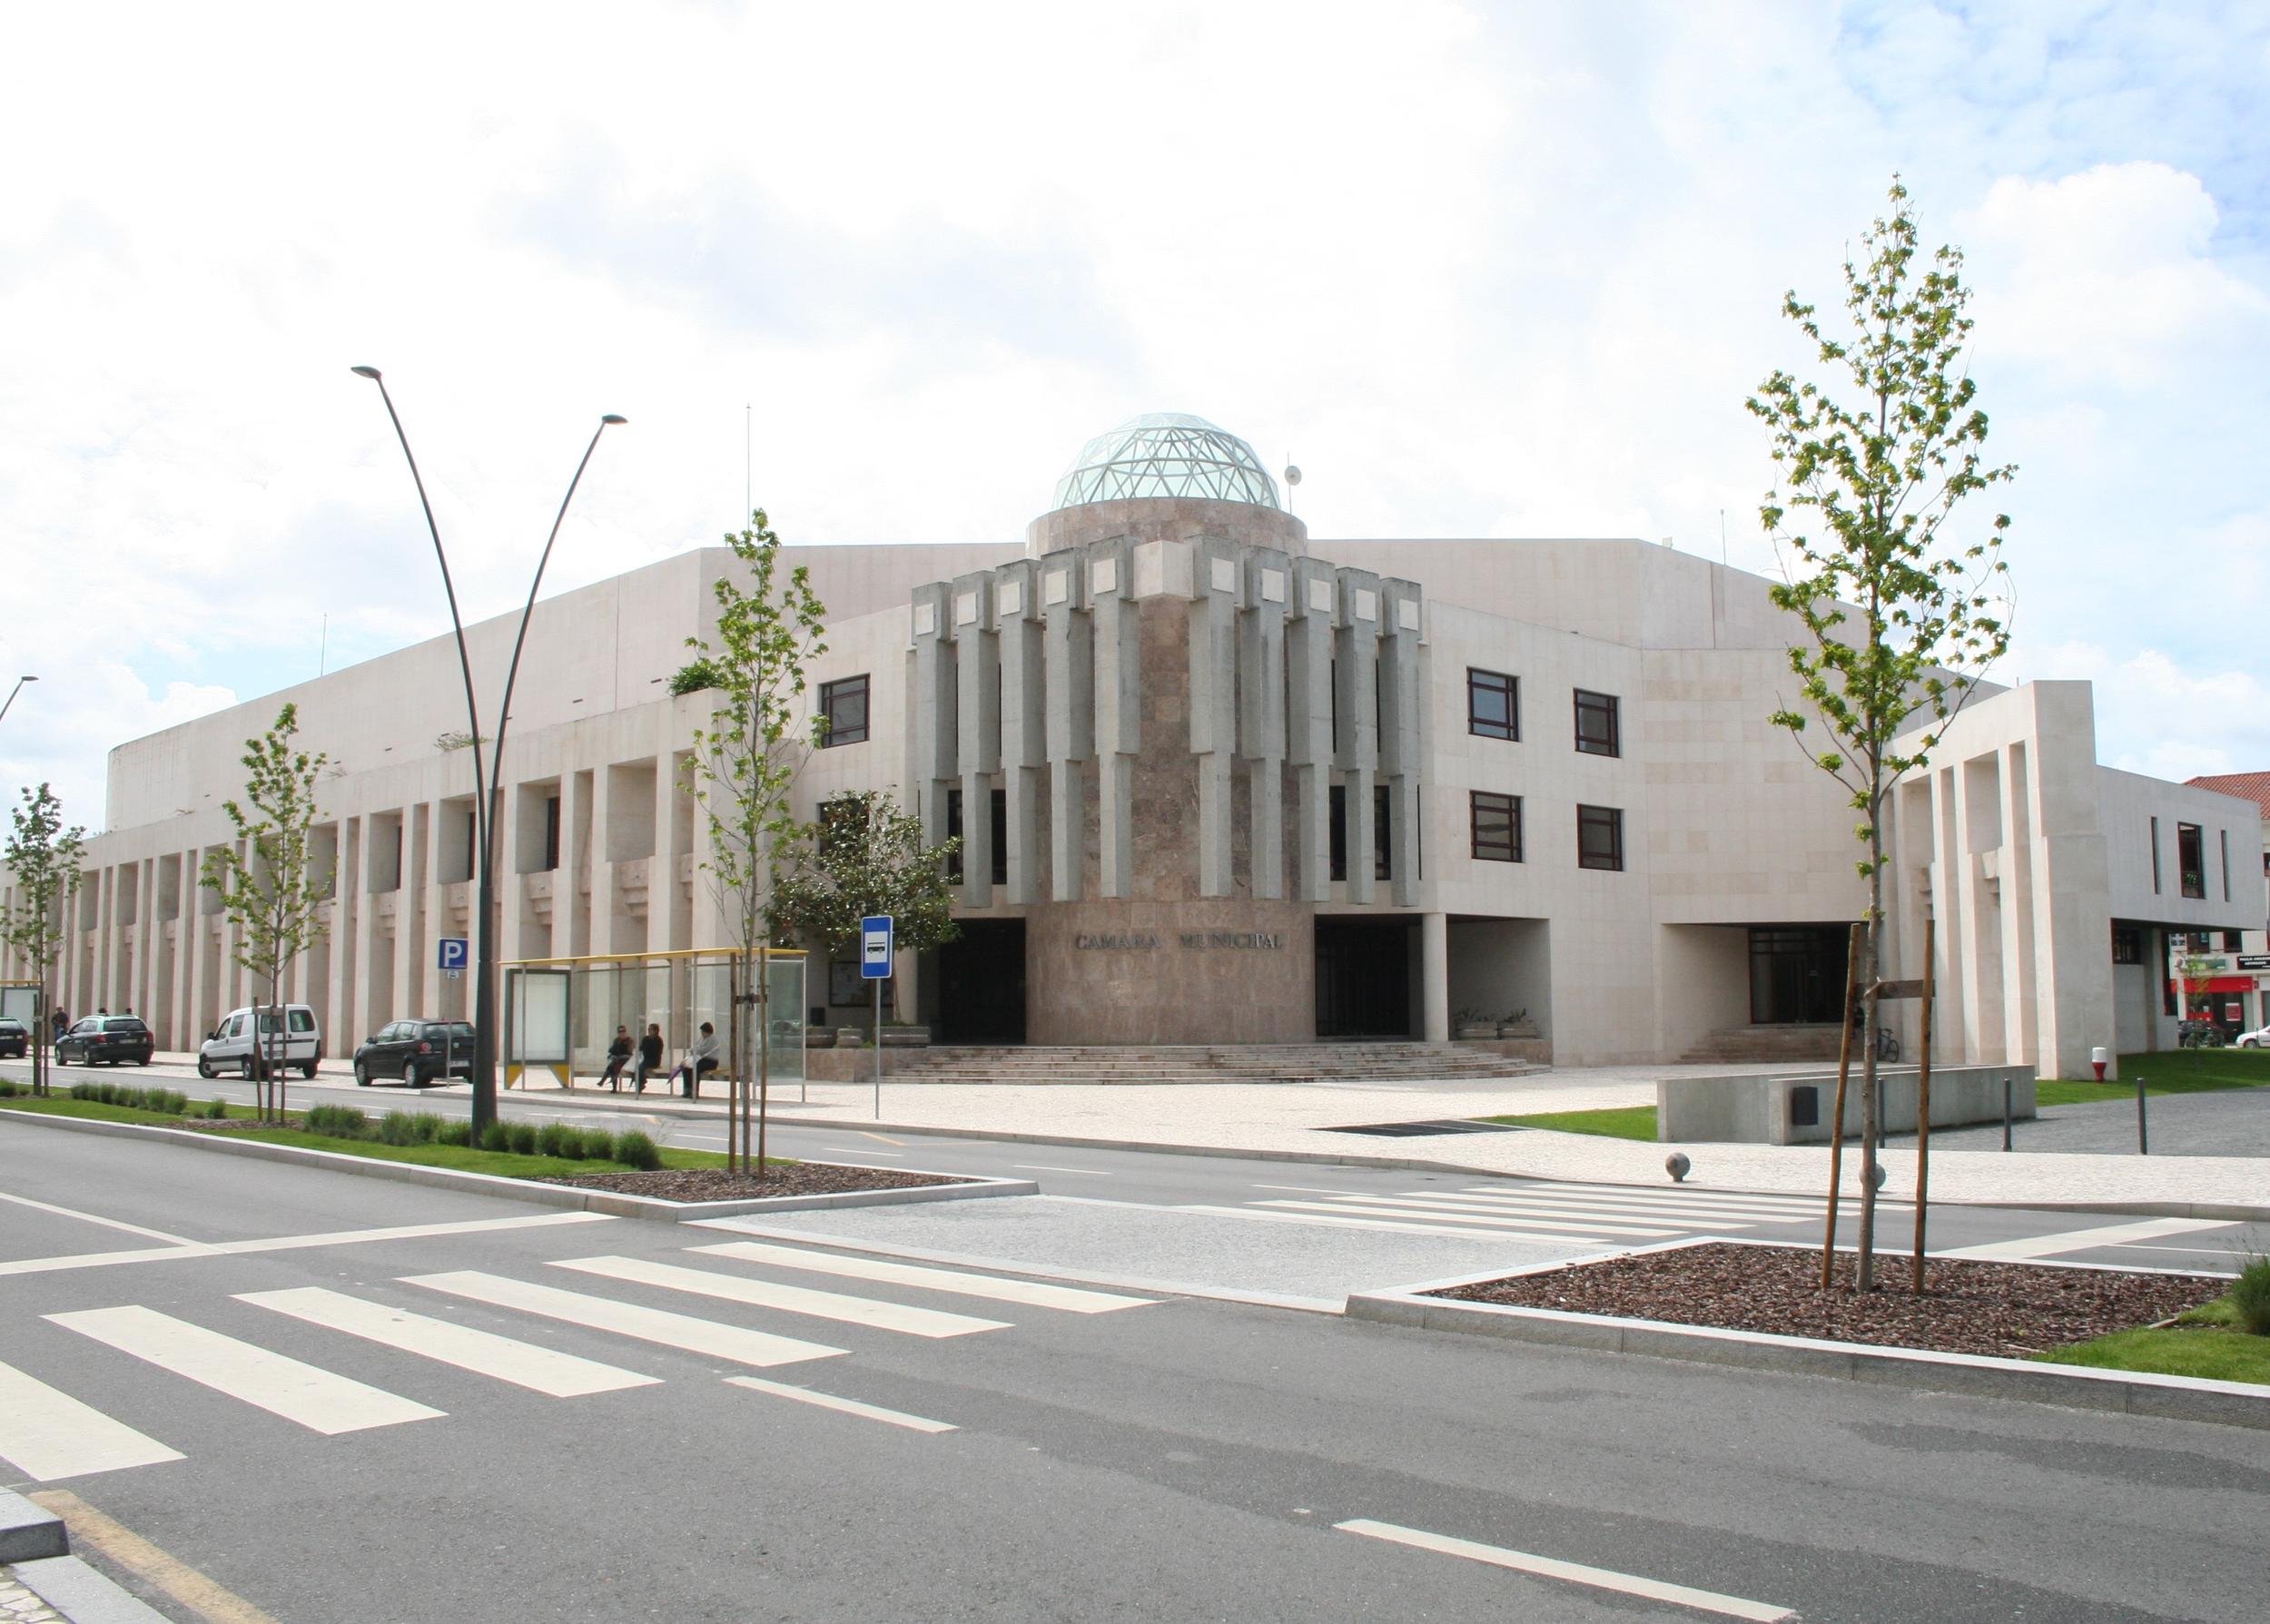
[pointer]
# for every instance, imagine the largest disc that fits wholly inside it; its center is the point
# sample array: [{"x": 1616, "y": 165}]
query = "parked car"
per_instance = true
[
  {"x": 416, "y": 1051},
  {"x": 106, "y": 1039},
  {"x": 2257, "y": 1038},
  {"x": 230, "y": 1045},
  {"x": 15, "y": 1038}
]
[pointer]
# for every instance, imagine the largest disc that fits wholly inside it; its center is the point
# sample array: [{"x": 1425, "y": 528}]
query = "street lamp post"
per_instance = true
[
  {"x": 12, "y": 693},
  {"x": 485, "y": 788}
]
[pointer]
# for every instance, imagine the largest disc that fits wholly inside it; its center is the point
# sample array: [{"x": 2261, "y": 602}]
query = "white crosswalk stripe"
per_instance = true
[
  {"x": 1397, "y": 1226},
  {"x": 682, "y": 1331},
  {"x": 793, "y": 1299},
  {"x": 47, "y": 1434},
  {"x": 1607, "y": 1219},
  {"x": 2083, "y": 1240},
  {"x": 320, "y": 1400},
  {"x": 1001, "y": 1288},
  {"x": 542, "y": 1370},
  {"x": 1616, "y": 1211},
  {"x": 1794, "y": 1207},
  {"x": 1387, "y": 1209},
  {"x": 828, "y": 1400}
]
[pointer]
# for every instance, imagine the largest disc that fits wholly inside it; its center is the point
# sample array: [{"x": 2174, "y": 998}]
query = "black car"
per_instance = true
[
  {"x": 416, "y": 1051},
  {"x": 15, "y": 1038},
  {"x": 112, "y": 1038}
]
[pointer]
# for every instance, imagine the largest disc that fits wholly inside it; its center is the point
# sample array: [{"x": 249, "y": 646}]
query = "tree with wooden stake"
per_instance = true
[
  {"x": 268, "y": 886},
  {"x": 44, "y": 857},
  {"x": 1903, "y": 615},
  {"x": 865, "y": 855},
  {"x": 744, "y": 767}
]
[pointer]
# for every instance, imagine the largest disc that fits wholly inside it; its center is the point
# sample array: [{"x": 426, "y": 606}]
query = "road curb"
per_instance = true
[
  {"x": 29, "y": 1531},
  {"x": 83, "y": 1595},
  {"x": 611, "y": 1203},
  {"x": 2073, "y": 1387}
]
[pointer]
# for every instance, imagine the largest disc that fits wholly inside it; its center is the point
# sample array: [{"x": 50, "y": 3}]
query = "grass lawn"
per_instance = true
[
  {"x": 504, "y": 1164},
  {"x": 2170, "y": 1071},
  {"x": 2206, "y": 1342},
  {"x": 1619, "y": 1122}
]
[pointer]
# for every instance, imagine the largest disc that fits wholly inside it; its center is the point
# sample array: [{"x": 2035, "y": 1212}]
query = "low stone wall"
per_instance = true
[
  {"x": 1537, "y": 1051},
  {"x": 1795, "y": 1107},
  {"x": 856, "y": 1065}
]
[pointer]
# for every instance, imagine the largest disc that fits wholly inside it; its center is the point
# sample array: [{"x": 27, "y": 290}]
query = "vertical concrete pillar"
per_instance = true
[
  {"x": 934, "y": 715},
  {"x": 2020, "y": 1019},
  {"x": 1213, "y": 678},
  {"x": 1068, "y": 659},
  {"x": 1262, "y": 706},
  {"x": 371, "y": 1011},
  {"x": 190, "y": 949},
  {"x": 143, "y": 1000},
  {"x": 1355, "y": 694},
  {"x": 1023, "y": 721},
  {"x": 1402, "y": 754},
  {"x": 181, "y": 1012},
  {"x": 977, "y": 730},
  {"x": 1119, "y": 691},
  {"x": 1310, "y": 632},
  {"x": 1434, "y": 978}
]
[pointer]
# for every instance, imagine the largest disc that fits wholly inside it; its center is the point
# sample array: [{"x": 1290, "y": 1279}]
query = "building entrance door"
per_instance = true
[
  {"x": 980, "y": 984},
  {"x": 1364, "y": 977},
  {"x": 1797, "y": 974}
]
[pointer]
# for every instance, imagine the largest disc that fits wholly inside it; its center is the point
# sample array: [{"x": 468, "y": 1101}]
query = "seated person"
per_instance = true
[
  {"x": 617, "y": 1057},
  {"x": 700, "y": 1060},
  {"x": 649, "y": 1057}
]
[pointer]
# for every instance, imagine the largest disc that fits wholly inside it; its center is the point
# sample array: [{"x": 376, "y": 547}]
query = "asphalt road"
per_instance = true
[
  {"x": 1176, "y": 1460},
  {"x": 2228, "y": 1122}
]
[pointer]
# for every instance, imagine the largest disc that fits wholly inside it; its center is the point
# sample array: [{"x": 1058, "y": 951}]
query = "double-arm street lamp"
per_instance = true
[
  {"x": 485, "y": 788},
  {"x": 12, "y": 693}
]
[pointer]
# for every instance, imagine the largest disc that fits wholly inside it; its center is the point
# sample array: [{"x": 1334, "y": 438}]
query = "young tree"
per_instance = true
[
  {"x": 2195, "y": 978},
  {"x": 863, "y": 855},
  {"x": 44, "y": 857},
  {"x": 267, "y": 884},
  {"x": 744, "y": 766},
  {"x": 1903, "y": 613}
]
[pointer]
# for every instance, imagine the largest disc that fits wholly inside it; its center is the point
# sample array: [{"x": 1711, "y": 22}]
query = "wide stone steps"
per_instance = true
[{"x": 1226, "y": 1063}]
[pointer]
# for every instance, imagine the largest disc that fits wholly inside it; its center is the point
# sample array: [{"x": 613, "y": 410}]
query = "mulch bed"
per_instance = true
[
  {"x": 716, "y": 1183},
  {"x": 2003, "y": 1310}
]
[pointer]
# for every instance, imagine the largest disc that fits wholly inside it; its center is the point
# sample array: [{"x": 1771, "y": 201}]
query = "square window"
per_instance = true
[
  {"x": 1493, "y": 704},
  {"x": 1599, "y": 837},
  {"x": 1597, "y": 731},
  {"x": 1496, "y": 826},
  {"x": 2127, "y": 944},
  {"x": 845, "y": 705}
]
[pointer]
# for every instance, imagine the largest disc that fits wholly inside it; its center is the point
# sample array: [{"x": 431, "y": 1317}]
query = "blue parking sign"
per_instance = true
[
  {"x": 449, "y": 953},
  {"x": 874, "y": 947}
]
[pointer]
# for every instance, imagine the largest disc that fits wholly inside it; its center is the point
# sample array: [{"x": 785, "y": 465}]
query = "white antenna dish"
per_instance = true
[{"x": 1292, "y": 475}]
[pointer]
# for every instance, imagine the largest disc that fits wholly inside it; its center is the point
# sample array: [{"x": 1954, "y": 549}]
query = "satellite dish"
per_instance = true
[{"x": 1292, "y": 475}]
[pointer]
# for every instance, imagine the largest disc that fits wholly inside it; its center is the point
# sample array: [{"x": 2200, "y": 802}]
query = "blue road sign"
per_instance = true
[
  {"x": 449, "y": 953},
  {"x": 874, "y": 947}
]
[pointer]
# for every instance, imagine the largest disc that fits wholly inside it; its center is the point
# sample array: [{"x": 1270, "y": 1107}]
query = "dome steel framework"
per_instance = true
[{"x": 1166, "y": 454}]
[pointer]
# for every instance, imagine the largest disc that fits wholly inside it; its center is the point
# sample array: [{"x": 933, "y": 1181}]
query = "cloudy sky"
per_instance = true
[{"x": 1482, "y": 270}]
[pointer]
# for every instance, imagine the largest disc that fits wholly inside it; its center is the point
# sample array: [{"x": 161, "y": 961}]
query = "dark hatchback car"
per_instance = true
[
  {"x": 15, "y": 1038},
  {"x": 416, "y": 1051},
  {"x": 112, "y": 1039}
]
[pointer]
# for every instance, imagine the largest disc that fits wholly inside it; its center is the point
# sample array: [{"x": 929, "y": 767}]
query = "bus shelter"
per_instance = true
[{"x": 560, "y": 1014}]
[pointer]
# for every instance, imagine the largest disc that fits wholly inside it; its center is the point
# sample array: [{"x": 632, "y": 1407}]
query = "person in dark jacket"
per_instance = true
[
  {"x": 617, "y": 1057},
  {"x": 649, "y": 1058}
]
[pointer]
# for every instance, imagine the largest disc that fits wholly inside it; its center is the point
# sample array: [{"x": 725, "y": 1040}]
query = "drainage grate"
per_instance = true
[{"x": 1412, "y": 1130}]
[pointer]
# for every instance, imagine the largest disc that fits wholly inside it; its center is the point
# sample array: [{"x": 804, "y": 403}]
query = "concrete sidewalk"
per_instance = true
[{"x": 1295, "y": 1120}]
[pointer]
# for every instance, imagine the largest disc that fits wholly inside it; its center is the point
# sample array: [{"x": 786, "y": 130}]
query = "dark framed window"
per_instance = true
[
  {"x": 1000, "y": 821},
  {"x": 551, "y": 835},
  {"x": 1493, "y": 704},
  {"x": 2191, "y": 861},
  {"x": 2127, "y": 944},
  {"x": 844, "y": 704},
  {"x": 1599, "y": 837},
  {"x": 1497, "y": 826},
  {"x": 1382, "y": 861},
  {"x": 1598, "y": 732},
  {"x": 2156, "y": 857},
  {"x": 2233, "y": 940}
]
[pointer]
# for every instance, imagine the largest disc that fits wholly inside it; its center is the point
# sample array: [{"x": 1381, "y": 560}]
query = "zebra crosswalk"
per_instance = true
[
  {"x": 47, "y": 1433},
  {"x": 1578, "y": 1217}
]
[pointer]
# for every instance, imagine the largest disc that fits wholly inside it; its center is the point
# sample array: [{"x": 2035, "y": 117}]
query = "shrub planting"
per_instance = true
[
  {"x": 636, "y": 1149},
  {"x": 496, "y": 1137},
  {"x": 213, "y": 1110},
  {"x": 398, "y": 1127},
  {"x": 598, "y": 1144},
  {"x": 2251, "y": 1295},
  {"x": 557, "y": 1139},
  {"x": 7, "y": 1089},
  {"x": 520, "y": 1138},
  {"x": 337, "y": 1122}
]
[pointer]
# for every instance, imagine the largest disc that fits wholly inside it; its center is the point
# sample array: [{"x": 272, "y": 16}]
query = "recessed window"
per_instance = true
[
  {"x": 998, "y": 822},
  {"x": 2233, "y": 940},
  {"x": 1496, "y": 820},
  {"x": 845, "y": 705},
  {"x": 2127, "y": 944},
  {"x": 2191, "y": 861},
  {"x": 1493, "y": 704},
  {"x": 1597, "y": 732},
  {"x": 2156, "y": 857},
  {"x": 1382, "y": 859},
  {"x": 1599, "y": 837}
]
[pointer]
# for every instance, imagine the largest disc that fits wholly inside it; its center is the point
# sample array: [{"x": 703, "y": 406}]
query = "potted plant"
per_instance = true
[
  {"x": 1517, "y": 1025},
  {"x": 1472, "y": 1024}
]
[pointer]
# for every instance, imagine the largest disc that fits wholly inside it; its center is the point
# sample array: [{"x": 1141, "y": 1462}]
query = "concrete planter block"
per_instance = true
[
  {"x": 906, "y": 1036},
  {"x": 819, "y": 1038},
  {"x": 851, "y": 1036}
]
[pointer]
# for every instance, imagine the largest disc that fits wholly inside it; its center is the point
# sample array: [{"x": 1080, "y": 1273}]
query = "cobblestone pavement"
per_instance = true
[{"x": 19, "y": 1606}]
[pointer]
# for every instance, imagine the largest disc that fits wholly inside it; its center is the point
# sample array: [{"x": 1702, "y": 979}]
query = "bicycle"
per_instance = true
[{"x": 1887, "y": 1044}]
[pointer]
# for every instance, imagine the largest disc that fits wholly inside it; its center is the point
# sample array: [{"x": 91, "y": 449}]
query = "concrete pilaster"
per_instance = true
[
  {"x": 369, "y": 1010},
  {"x": 933, "y": 717},
  {"x": 1261, "y": 689},
  {"x": 1402, "y": 757},
  {"x": 1023, "y": 720},
  {"x": 1213, "y": 678},
  {"x": 1434, "y": 978},
  {"x": 977, "y": 730},
  {"x": 1118, "y": 631},
  {"x": 2021, "y": 1022},
  {"x": 1356, "y": 693},
  {"x": 668, "y": 919},
  {"x": 1312, "y": 612},
  {"x": 1067, "y": 661}
]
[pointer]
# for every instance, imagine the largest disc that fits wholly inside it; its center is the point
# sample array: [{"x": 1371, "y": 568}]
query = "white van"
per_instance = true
[{"x": 230, "y": 1045}]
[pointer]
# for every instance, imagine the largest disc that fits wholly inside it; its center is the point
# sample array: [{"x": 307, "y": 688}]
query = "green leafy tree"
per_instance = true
[
  {"x": 863, "y": 855},
  {"x": 744, "y": 767},
  {"x": 2195, "y": 975},
  {"x": 1903, "y": 611},
  {"x": 42, "y": 858},
  {"x": 268, "y": 886}
]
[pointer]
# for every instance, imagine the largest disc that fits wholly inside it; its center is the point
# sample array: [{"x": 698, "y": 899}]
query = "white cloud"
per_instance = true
[{"x": 2163, "y": 717}]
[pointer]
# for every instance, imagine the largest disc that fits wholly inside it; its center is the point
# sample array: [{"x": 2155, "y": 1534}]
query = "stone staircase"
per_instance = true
[
  {"x": 1773, "y": 1044},
  {"x": 1211, "y": 1063}
]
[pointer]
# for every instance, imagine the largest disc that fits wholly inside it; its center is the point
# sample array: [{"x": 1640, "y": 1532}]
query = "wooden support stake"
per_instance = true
[
  {"x": 1924, "y": 1109},
  {"x": 1836, "y": 1122}
]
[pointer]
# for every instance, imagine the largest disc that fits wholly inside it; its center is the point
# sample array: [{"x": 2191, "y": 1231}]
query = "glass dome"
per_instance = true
[{"x": 1166, "y": 454}]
